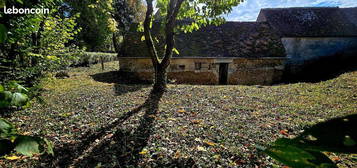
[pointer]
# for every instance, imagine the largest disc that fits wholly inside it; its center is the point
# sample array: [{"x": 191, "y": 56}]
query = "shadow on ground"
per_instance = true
[
  {"x": 123, "y": 82},
  {"x": 115, "y": 145},
  {"x": 323, "y": 69}
]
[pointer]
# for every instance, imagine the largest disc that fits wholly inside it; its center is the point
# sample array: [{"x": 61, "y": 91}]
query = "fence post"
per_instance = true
[{"x": 102, "y": 62}]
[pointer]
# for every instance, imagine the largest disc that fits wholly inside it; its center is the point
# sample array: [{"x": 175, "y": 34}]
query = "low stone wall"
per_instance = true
[
  {"x": 257, "y": 71},
  {"x": 89, "y": 58}
]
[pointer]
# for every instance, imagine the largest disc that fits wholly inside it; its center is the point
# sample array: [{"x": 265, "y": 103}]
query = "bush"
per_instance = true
[{"x": 89, "y": 58}]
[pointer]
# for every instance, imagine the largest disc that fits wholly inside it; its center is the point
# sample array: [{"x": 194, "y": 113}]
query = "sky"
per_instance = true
[{"x": 249, "y": 10}]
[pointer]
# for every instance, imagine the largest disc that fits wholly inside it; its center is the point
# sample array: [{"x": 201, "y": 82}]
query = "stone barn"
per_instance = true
[
  {"x": 316, "y": 40},
  {"x": 282, "y": 42},
  {"x": 233, "y": 53}
]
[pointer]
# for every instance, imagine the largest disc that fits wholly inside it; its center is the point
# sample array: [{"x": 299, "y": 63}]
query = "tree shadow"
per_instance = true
[
  {"x": 122, "y": 147},
  {"x": 123, "y": 82},
  {"x": 124, "y": 144}
]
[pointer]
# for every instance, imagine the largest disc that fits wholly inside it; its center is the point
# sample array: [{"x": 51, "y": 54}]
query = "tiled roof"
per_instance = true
[
  {"x": 351, "y": 14},
  {"x": 312, "y": 21},
  {"x": 232, "y": 39}
]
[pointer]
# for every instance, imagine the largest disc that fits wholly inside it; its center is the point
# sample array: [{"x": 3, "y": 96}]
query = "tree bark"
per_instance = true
[
  {"x": 115, "y": 43},
  {"x": 160, "y": 67},
  {"x": 160, "y": 79}
]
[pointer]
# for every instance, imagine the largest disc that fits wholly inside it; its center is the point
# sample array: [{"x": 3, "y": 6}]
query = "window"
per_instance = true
[
  {"x": 182, "y": 67},
  {"x": 198, "y": 66},
  {"x": 211, "y": 66}
]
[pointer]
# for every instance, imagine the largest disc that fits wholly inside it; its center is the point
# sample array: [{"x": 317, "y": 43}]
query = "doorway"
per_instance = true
[{"x": 223, "y": 73}]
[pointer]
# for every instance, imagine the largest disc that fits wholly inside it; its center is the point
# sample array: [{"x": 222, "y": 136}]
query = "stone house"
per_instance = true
[
  {"x": 280, "y": 42},
  {"x": 316, "y": 40}
]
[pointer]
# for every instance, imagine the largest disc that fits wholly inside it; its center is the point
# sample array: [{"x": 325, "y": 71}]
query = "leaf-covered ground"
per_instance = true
[{"x": 96, "y": 120}]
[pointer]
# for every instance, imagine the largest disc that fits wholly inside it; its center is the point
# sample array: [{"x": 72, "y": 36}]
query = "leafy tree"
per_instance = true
[
  {"x": 198, "y": 12},
  {"x": 33, "y": 44},
  {"x": 96, "y": 22},
  {"x": 55, "y": 48},
  {"x": 125, "y": 13}
]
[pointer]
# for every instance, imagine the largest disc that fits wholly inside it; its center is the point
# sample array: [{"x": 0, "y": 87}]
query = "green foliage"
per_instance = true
[
  {"x": 13, "y": 95},
  {"x": 2, "y": 3},
  {"x": 336, "y": 135},
  {"x": 96, "y": 22},
  {"x": 26, "y": 145},
  {"x": 199, "y": 13},
  {"x": 57, "y": 33},
  {"x": 2, "y": 33},
  {"x": 37, "y": 43}
]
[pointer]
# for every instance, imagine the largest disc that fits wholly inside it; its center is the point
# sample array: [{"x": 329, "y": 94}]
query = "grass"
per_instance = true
[{"x": 95, "y": 119}]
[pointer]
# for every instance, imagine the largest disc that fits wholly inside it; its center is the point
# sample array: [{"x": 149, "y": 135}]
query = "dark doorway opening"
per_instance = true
[{"x": 223, "y": 73}]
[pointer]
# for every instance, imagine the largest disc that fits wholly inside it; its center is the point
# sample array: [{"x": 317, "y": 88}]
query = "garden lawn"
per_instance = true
[{"x": 95, "y": 119}]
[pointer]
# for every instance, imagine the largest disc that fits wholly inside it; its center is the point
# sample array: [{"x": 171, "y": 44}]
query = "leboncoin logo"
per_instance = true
[{"x": 15, "y": 11}]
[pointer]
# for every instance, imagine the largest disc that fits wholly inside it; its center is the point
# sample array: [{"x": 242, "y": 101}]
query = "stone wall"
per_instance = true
[
  {"x": 263, "y": 71},
  {"x": 247, "y": 71},
  {"x": 181, "y": 70},
  {"x": 303, "y": 52}
]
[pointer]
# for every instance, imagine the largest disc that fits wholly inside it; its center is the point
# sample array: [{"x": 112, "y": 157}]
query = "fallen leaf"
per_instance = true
[
  {"x": 196, "y": 121},
  {"x": 66, "y": 114},
  {"x": 177, "y": 155},
  {"x": 26, "y": 133},
  {"x": 284, "y": 132},
  {"x": 152, "y": 116},
  {"x": 336, "y": 159},
  {"x": 181, "y": 111},
  {"x": 14, "y": 157},
  {"x": 109, "y": 136},
  {"x": 200, "y": 148},
  {"x": 144, "y": 152},
  {"x": 209, "y": 143}
]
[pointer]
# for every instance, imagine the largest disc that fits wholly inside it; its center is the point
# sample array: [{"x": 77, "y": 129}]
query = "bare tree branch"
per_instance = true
[
  {"x": 173, "y": 10},
  {"x": 147, "y": 32}
]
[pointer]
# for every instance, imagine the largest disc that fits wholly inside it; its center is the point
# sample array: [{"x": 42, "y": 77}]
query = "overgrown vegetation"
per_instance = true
[
  {"x": 203, "y": 126},
  {"x": 11, "y": 140},
  {"x": 35, "y": 44},
  {"x": 14, "y": 95},
  {"x": 96, "y": 118},
  {"x": 31, "y": 45}
]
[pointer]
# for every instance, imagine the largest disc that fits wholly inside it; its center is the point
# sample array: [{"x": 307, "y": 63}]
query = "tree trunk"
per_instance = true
[
  {"x": 161, "y": 66},
  {"x": 160, "y": 79},
  {"x": 115, "y": 43}
]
